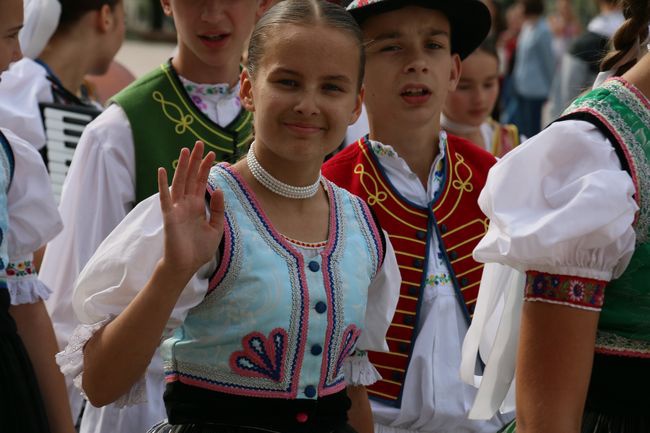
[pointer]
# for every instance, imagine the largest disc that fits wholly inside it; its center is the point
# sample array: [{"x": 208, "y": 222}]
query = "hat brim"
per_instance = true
[{"x": 470, "y": 20}]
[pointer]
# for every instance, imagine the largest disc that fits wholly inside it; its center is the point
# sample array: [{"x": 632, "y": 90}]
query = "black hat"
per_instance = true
[{"x": 469, "y": 19}]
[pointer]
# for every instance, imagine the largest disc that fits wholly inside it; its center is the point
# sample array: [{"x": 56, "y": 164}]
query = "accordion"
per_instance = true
[{"x": 63, "y": 125}]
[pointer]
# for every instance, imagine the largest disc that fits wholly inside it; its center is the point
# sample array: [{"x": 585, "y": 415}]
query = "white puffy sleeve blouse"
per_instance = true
[
  {"x": 126, "y": 259},
  {"x": 33, "y": 220},
  {"x": 561, "y": 213}
]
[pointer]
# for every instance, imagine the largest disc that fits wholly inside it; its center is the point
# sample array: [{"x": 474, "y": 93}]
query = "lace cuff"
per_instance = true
[
  {"x": 71, "y": 363},
  {"x": 27, "y": 290},
  {"x": 23, "y": 283},
  {"x": 358, "y": 370}
]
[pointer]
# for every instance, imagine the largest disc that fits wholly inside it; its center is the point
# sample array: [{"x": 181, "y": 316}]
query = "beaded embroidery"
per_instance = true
[{"x": 307, "y": 245}]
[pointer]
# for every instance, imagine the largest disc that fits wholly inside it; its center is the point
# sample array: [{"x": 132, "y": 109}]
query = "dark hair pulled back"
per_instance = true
[
  {"x": 304, "y": 13},
  {"x": 73, "y": 10}
]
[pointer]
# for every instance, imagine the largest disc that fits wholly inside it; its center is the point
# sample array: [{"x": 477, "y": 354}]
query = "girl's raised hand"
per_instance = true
[{"x": 191, "y": 237}]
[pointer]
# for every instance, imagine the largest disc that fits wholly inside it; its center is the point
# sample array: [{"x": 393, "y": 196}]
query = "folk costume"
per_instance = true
[
  {"x": 24, "y": 86},
  {"x": 28, "y": 220},
  {"x": 433, "y": 232},
  {"x": 114, "y": 168},
  {"x": 598, "y": 263},
  {"x": 29, "y": 82},
  {"x": 420, "y": 389},
  {"x": 241, "y": 351}
]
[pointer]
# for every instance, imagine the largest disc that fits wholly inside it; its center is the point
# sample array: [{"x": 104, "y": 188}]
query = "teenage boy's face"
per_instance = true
[
  {"x": 213, "y": 32},
  {"x": 11, "y": 12},
  {"x": 409, "y": 67}
]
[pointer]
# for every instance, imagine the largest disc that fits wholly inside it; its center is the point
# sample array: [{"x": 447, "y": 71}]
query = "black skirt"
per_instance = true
[
  {"x": 21, "y": 406},
  {"x": 192, "y": 409},
  {"x": 617, "y": 400},
  {"x": 165, "y": 427}
]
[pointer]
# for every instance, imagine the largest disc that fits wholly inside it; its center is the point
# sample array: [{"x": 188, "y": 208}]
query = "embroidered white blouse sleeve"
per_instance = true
[
  {"x": 383, "y": 295},
  {"x": 114, "y": 275},
  {"x": 560, "y": 203},
  {"x": 33, "y": 220},
  {"x": 99, "y": 191}
]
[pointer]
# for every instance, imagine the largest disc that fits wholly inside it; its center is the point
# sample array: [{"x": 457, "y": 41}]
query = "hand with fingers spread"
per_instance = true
[{"x": 191, "y": 237}]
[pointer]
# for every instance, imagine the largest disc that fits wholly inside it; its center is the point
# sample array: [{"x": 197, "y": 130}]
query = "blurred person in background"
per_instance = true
[
  {"x": 565, "y": 26},
  {"x": 467, "y": 110},
  {"x": 534, "y": 69},
  {"x": 507, "y": 48},
  {"x": 64, "y": 41},
  {"x": 580, "y": 64}
]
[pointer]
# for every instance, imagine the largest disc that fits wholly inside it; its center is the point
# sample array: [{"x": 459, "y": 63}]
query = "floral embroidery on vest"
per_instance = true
[{"x": 262, "y": 357}]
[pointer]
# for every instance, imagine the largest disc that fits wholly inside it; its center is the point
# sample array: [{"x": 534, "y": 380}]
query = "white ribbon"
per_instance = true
[{"x": 494, "y": 334}]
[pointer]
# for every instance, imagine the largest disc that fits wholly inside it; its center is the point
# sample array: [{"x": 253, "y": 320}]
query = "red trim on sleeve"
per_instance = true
[{"x": 568, "y": 290}]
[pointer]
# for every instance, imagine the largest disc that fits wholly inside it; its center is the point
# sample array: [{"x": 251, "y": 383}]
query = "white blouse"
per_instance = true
[
  {"x": 125, "y": 261},
  {"x": 22, "y": 87},
  {"x": 560, "y": 204},
  {"x": 98, "y": 192},
  {"x": 33, "y": 220}
]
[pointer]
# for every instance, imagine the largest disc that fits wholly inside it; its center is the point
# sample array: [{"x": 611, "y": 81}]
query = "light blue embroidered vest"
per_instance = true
[
  {"x": 622, "y": 114},
  {"x": 274, "y": 324},
  {"x": 6, "y": 174}
]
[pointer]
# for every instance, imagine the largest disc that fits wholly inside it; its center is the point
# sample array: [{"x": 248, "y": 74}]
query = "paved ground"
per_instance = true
[{"x": 140, "y": 57}]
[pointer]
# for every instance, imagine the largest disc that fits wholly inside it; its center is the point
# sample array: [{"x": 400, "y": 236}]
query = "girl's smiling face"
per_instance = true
[
  {"x": 11, "y": 22},
  {"x": 477, "y": 91},
  {"x": 304, "y": 91}
]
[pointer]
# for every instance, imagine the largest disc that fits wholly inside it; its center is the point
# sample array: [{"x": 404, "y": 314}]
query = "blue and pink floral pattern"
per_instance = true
[{"x": 262, "y": 357}]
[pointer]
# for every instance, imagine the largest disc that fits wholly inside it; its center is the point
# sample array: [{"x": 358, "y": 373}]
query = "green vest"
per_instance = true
[
  {"x": 164, "y": 120},
  {"x": 622, "y": 114}
]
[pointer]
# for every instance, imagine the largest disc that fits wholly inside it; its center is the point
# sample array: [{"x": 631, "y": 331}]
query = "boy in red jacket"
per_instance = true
[{"x": 423, "y": 185}]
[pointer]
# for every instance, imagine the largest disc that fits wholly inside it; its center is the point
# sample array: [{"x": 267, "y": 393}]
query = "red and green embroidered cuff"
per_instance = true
[
  {"x": 568, "y": 290},
  {"x": 24, "y": 268}
]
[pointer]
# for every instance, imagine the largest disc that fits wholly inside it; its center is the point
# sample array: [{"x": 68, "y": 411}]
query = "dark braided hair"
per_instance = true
[{"x": 634, "y": 29}]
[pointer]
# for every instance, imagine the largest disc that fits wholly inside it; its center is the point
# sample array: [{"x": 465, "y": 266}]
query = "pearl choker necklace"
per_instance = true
[{"x": 277, "y": 186}]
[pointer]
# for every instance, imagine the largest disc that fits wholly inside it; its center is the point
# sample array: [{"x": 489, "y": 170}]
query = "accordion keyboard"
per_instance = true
[{"x": 64, "y": 125}]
